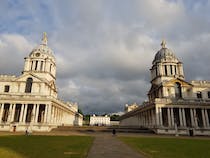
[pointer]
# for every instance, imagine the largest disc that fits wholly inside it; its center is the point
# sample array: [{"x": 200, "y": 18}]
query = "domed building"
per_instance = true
[
  {"x": 175, "y": 106},
  {"x": 29, "y": 102}
]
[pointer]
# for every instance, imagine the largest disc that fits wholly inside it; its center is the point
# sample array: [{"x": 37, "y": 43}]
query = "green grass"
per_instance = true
[
  {"x": 44, "y": 146},
  {"x": 169, "y": 147}
]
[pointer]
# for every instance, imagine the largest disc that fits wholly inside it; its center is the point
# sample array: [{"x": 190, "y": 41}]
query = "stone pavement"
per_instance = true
[{"x": 108, "y": 146}]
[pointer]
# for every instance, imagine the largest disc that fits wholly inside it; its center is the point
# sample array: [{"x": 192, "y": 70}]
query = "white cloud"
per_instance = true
[
  {"x": 13, "y": 48},
  {"x": 103, "y": 48}
]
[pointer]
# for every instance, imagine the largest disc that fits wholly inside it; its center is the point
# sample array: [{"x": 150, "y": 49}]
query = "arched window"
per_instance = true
[
  {"x": 178, "y": 90},
  {"x": 28, "y": 85}
]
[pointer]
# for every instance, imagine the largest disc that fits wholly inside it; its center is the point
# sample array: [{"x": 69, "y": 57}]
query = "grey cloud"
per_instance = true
[{"x": 104, "y": 49}]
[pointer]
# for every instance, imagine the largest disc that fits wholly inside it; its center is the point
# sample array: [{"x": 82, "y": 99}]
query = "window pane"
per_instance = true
[{"x": 6, "y": 88}]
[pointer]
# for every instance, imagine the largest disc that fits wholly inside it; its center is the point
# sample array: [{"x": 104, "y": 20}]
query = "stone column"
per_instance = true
[
  {"x": 153, "y": 113},
  {"x": 157, "y": 116},
  {"x": 39, "y": 65},
  {"x": 192, "y": 117},
  {"x": 33, "y": 113},
  {"x": 207, "y": 118},
  {"x": 59, "y": 116},
  {"x": 52, "y": 114},
  {"x": 180, "y": 117},
  {"x": 21, "y": 113},
  {"x": 169, "y": 117},
  {"x": 168, "y": 70},
  {"x": 146, "y": 118},
  {"x": 37, "y": 113},
  {"x": 149, "y": 117},
  {"x": 196, "y": 119},
  {"x": 13, "y": 113},
  {"x": 161, "y": 69},
  {"x": 45, "y": 113},
  {"x": 49, "y": 113},
  {"x": 56, "y": 114},
  {"x": 25, "y": 112},
  {"x": 33, "y": 64},
  {"x": 184, "y": 118},
  {"x": 160, "y": 115},
  {"x": 10, "y": 113},
  {"x": 1, "y": 112},
  {"x": 173, "y": 67},
  {"x": 203, "y": 118},
  {"x": 172, "y": 117}
]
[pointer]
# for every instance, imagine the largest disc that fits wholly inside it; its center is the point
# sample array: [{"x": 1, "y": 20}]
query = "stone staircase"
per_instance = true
[{"x": 101, "y": 129}]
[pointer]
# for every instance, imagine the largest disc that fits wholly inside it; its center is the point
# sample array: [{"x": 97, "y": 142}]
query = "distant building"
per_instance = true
[
  {"x": 29, "y": 101},
  {"x": 99, "y": 120},
  {"x": 130, "y": 107},
  {"x": 175, "y": 106}
]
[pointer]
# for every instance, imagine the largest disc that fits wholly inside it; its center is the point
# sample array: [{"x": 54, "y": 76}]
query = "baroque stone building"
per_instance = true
[
  {"x": 29, "y": 101},
  {"x": 175, "y": 106},
  {"x": 99, "y": 120}
]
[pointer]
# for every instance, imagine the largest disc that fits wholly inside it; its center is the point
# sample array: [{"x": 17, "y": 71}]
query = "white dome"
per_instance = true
[
  {"x": 42, "y": 48},
  {"x": 164, "y": 54}
]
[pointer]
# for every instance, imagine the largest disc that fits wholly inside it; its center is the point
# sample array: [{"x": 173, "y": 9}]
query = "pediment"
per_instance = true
[
  {"x": 177, "y": 80},
  {"x": 52, "y": 85},
  {"x": 27, "y": 75}
]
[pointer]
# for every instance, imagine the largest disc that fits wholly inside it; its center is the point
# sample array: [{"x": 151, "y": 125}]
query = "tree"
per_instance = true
[
  {"x": 80, "y": 111},
  {"x": 114, "y": 117}
]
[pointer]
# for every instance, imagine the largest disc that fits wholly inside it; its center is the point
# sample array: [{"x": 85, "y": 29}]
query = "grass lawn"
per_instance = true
[
  {"x": 170, "y": 147},
  {"x": 44, "y": 146}
]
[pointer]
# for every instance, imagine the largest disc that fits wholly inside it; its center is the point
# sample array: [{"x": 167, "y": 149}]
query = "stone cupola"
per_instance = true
[
  {"x": 41, "y": 61},
  {"x": 165, "y": 66}
]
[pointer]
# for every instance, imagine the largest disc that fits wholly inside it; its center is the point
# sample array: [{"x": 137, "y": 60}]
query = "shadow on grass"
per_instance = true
[{"x": 44, "y": 146}]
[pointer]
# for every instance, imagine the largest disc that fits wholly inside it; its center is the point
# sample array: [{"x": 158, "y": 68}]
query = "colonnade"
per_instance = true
[
  {"x": 183, "y": 117},
  {"x": 33, "y": 113},
  {"x": 169, "y": 117}
]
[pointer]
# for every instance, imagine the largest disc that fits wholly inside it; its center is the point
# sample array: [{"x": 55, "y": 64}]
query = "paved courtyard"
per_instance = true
[{"x": 107, "y": 146}]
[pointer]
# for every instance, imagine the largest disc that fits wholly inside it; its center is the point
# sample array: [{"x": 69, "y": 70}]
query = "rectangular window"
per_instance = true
[
  {"x": 166, "y": 73},
  {"x": 171, "y": 67},
  {"x": 199, "y": 95},
  {"x": 156, "y": 71},
  {"x": 36, "y": 64},
  {"x": 175, "y": 69},
  {"x": 50, "y": 67},
  {"x": 32, "y": 65},
  {"x": 208, "y": 94},
  {"x": 41, "y": 65},
  {"x": 6, "y": 88}
]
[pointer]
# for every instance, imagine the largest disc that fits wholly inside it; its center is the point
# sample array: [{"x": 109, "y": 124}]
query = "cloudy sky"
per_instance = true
[{"x": 104, "y": 48}]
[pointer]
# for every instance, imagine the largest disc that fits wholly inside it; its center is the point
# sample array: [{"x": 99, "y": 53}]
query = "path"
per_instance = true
[{"x": 108, "y": 146}]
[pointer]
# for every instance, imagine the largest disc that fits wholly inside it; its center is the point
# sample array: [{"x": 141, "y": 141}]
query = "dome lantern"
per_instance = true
[{"x": 44, "y": 38}]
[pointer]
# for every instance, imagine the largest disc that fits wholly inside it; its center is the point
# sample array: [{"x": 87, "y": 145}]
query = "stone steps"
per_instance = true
[{"x": 102, "y": 129}]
